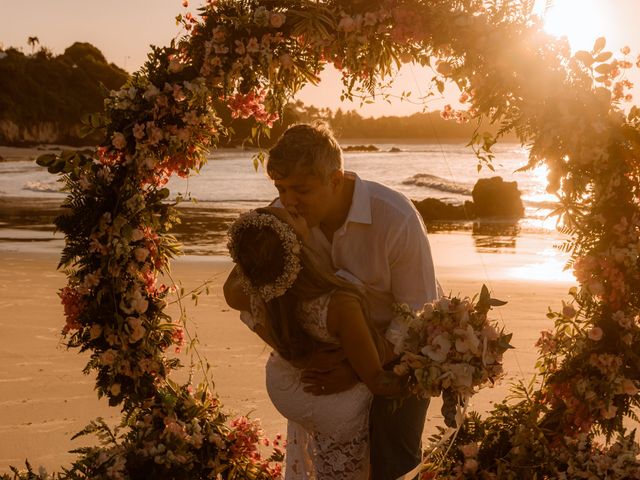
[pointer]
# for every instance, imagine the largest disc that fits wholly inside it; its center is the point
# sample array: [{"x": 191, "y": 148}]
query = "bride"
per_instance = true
[{"x": 298, "y": 308}]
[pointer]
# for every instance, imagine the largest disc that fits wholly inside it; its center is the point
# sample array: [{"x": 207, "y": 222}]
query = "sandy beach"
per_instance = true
[{"x": 45, "y": 398}]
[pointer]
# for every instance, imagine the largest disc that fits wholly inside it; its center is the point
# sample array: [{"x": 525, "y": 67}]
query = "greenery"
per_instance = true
[{"x": 41, "y": 88}]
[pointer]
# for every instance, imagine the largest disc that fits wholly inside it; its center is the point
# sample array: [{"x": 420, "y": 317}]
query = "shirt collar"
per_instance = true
[{"x": 360, "y": 210}]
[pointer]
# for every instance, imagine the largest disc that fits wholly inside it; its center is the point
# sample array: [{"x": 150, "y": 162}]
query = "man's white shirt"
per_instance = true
[{"x": 383, "y": 243}]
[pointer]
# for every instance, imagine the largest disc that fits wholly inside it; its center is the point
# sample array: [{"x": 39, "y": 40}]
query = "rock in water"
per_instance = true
[{"x": 493, "y": 197}]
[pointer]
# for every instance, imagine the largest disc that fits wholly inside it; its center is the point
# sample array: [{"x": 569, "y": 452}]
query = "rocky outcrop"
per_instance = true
[
  {"x": 360, "y": 148},
  {"x": 492, "y": 198},
  {"x": 433, "y": 209}
]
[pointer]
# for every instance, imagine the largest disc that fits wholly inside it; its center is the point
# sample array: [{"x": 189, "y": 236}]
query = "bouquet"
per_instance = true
[{"x": 450, "y": 346}]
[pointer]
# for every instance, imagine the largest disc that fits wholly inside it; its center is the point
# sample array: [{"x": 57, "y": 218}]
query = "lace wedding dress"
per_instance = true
[{"x": 327, "y": 435}]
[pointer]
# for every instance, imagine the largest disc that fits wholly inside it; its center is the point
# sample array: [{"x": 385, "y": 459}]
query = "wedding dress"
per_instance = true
[{"x": 327, "y": 435}]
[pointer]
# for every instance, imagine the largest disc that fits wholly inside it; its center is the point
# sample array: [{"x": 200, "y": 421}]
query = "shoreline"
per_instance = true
[{"x": 46, "y": 399}]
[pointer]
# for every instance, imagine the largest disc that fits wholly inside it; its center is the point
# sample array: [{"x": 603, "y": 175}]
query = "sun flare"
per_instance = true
[{"x": 581, "y": 21}]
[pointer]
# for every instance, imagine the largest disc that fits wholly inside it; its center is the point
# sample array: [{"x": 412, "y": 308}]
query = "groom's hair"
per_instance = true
[{"x": 305, "y": 148}]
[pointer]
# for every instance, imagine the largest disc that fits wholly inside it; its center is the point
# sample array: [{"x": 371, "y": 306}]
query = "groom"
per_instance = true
[{"x": 374, "y": 234}]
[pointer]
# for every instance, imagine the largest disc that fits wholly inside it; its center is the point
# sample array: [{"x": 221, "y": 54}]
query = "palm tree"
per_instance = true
[{"x": 32, "y": 41}]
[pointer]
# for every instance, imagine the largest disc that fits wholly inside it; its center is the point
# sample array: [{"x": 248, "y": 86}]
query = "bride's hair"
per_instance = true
[{"x": 261, "y": 256}]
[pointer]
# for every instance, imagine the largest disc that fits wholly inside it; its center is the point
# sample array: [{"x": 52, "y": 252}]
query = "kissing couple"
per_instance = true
[{"x": 316, "y": 274}]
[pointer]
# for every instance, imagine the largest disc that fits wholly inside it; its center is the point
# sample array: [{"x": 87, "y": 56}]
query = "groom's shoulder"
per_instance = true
[{"x": 385, "y": 197}]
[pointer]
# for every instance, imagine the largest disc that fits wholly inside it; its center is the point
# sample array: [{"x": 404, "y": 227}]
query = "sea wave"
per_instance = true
[
  {"x": 437, "y": 183},
  {"x": 544, "y": 204},
  {"x": 46, "y": 187}
]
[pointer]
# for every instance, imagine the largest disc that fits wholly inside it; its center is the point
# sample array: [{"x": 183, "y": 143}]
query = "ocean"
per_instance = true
[{"x": 229, "y": 184}]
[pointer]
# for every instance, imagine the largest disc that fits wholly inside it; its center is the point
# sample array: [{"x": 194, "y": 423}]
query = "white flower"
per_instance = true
[
  {"x": 152, "y": 91},
  {"x": 136, "y": 234},
  {"x": 467, "y": 340},
  {"x": 137, "y": 329},
  {"x": 438, "y": 349},
  {"x": 462, "y": 374}
]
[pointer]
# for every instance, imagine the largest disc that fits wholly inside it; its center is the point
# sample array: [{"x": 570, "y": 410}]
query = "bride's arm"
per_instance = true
[
  {"x": 234, "y": 294},
  {"x": 346, "y": 321}
]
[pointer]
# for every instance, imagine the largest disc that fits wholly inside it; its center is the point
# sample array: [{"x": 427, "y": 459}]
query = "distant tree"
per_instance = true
[{"x": 33, "y": 41}]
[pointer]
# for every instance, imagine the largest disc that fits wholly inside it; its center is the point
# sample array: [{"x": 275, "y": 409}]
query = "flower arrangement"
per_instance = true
[
  {"x": 249, "y": 57},
  {"x": 450, "y": 346}
]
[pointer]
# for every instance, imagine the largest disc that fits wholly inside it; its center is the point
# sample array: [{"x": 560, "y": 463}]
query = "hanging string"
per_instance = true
[{"x": 466, "y": 213}]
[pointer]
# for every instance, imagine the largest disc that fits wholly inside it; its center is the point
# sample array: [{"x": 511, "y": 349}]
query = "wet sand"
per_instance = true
[{"x": 45, "y": 398}]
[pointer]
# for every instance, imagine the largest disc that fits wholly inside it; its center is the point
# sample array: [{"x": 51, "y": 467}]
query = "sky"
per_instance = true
[{"x": 124, "y": 29}]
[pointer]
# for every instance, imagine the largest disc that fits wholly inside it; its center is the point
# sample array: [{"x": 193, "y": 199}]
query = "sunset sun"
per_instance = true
[{"x": 581, "y": 21}]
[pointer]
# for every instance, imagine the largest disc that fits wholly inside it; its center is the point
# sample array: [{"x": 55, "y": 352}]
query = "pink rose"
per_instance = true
[
  {"x": 119, "y": 141},
  {"x": 595, "y": 334},
  {"x": 277, "y": 19}
]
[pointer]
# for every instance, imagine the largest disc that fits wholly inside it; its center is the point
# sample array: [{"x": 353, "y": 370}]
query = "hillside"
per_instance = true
[{"x": 43, "y": 97}]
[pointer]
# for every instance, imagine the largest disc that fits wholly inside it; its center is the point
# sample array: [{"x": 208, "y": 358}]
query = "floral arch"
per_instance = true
[{"x": 255, "y": 54}]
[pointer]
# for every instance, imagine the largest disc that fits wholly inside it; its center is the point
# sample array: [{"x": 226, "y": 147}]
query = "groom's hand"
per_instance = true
[{"x": 325, "y": 382}]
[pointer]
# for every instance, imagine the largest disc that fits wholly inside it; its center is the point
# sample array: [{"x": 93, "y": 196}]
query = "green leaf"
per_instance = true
[
  {"x": 585, "y": 57},
  {"x": 603, "y": 57},
  {"x": 599, "y": 44},
  {"x": 604, "y": 68},
  {"x": 494, "y": 302},
  {"x": 46, "y": 159},
  {"x": 163, "y": 193}
]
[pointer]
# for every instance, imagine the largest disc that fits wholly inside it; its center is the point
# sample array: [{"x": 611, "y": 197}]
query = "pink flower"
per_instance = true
[
  {"x": 74, "y": 305},
  {"x": 141, "y": 254},
  {"x": 347, "y": 24},
  {"x": 629, "y": 387},
  {"x": 595, "y": 334},
  {"x": 138, "y": 131},
  {"x": 252, "y": 45},
  {"x": 108, "y": 357},
  {"x": 277, "y": 19},
  {"x": 119, "y": 141}
]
